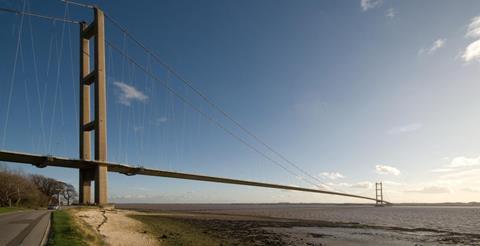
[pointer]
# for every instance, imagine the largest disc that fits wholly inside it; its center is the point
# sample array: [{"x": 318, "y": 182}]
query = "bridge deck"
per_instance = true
[{"x": 43, "y": 161}]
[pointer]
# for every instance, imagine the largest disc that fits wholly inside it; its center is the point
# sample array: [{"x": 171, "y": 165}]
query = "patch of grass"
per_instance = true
[
  {"x": 10, "y": 209},
  {"x": 64, "y": 231},
  {"x": 174, "y": 232}
]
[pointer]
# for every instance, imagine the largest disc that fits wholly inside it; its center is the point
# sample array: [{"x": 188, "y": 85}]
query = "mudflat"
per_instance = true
[{"x": 174, "y": 228}]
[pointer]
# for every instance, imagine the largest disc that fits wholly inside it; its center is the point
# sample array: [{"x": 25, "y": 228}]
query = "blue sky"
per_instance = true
[{"x": 354, "y": 92}]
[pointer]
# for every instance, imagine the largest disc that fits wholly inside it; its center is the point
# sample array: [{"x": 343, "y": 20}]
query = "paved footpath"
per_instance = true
[{"x": 24, "y": 228}]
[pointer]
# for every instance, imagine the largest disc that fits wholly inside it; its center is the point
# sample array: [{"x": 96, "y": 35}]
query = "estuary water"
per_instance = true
[{"x": 455, "y": 219}]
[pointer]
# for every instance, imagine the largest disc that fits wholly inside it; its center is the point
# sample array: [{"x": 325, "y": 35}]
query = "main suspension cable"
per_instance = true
[
  {"x": 208, "y": 117},
  {"x": 207, "y": 99}
]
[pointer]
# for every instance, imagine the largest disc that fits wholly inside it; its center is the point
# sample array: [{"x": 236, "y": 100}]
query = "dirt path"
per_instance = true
[{"x": 116, "y": 227}]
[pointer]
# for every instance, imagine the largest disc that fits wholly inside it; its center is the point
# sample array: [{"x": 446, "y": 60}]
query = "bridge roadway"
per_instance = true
[
  {"x": 24, "y": 227},
  {"x": 43, "y": 161}
]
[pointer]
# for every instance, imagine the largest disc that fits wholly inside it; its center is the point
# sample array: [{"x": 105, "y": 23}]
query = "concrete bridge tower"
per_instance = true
[{"x": 98, "y": 123}]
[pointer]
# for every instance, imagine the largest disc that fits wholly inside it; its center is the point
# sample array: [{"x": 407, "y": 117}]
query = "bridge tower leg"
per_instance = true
[
  {"x": 96, "y": 173},
  {"x": 379, "y": 194}
]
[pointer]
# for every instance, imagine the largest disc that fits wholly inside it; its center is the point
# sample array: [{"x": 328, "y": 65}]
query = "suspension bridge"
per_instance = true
[{"x": 92, "y": 119}]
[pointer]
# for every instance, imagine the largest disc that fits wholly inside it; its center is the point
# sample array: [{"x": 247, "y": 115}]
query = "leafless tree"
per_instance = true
[
  {"x": 69, "y": 193},
  {"x": 16, "y": 189},
  {"x": 48, "y": 186}
]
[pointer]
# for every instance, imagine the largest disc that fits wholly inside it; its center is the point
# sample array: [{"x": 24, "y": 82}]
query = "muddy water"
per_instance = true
[{"x": 451, "y": 219}]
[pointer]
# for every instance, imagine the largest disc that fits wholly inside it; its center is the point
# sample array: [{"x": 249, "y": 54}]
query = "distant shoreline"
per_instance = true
[{"x": 446, "y": 204}]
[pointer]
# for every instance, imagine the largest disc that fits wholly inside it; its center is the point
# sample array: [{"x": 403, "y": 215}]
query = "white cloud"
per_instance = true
[
  {"x": 474, "y": 28},
  {"x": 404, "y": 129},
  {"x": 384, "y": 169},
  {"x": 370, "y": 4},
  {"x": 129, "y": 93},
  {"x": 332, "y": 175},
  {"x": 472, "y": 52},
  {"x": 362, "y": 185},
  {"x": 437, "y": 44},
  {"x": 390, "y": 13},
  {"x": 359, "y": 185},
  {"x": 462, "y": 161},
  {"x": 432, "y": 190}
]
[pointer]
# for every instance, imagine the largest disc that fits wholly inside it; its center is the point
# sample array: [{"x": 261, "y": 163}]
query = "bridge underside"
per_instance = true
[{"x": 44, "y": 161}]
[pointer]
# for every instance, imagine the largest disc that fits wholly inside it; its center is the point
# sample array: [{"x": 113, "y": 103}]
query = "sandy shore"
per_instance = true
[{"x": 116, "y": 227}]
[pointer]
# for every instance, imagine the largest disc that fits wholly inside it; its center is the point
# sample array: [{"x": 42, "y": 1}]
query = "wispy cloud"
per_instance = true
[
  {"x": 384, "y": 170},
  {"x": 460, "y": 169},
  {"x": 443, "y": 170},
  {"x": 404, "y": 129},
  {"x": 468, "y": 189},
  {"x": 393, "y": 183},
  {"x": 432, "y": 190},
  {"x": 332, "y": 175},
  {"x": 390, "y": 13},
  {"x": 463, "y": 174},
  {"x": 131, "y": 197},
  {"x": 473, "y": 30},
  {"x": 370, "y": 4},
  {"x": 323, "y": 187},
  {"x": 462, "y": 161},
  {"x": 362, "y": 185},
  {"x": 472, "y": 51},
  {"x": 128, "y": 93},
  {"x": 358, "y": 185},
  {"x": 437, "y": 44}
]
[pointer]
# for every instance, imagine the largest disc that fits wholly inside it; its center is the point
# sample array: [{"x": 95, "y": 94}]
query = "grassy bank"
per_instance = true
[
  {"x": 170, "y": 231},
  {"x": 10, "y": 209},
  {"x": 66, "y": 230}
]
